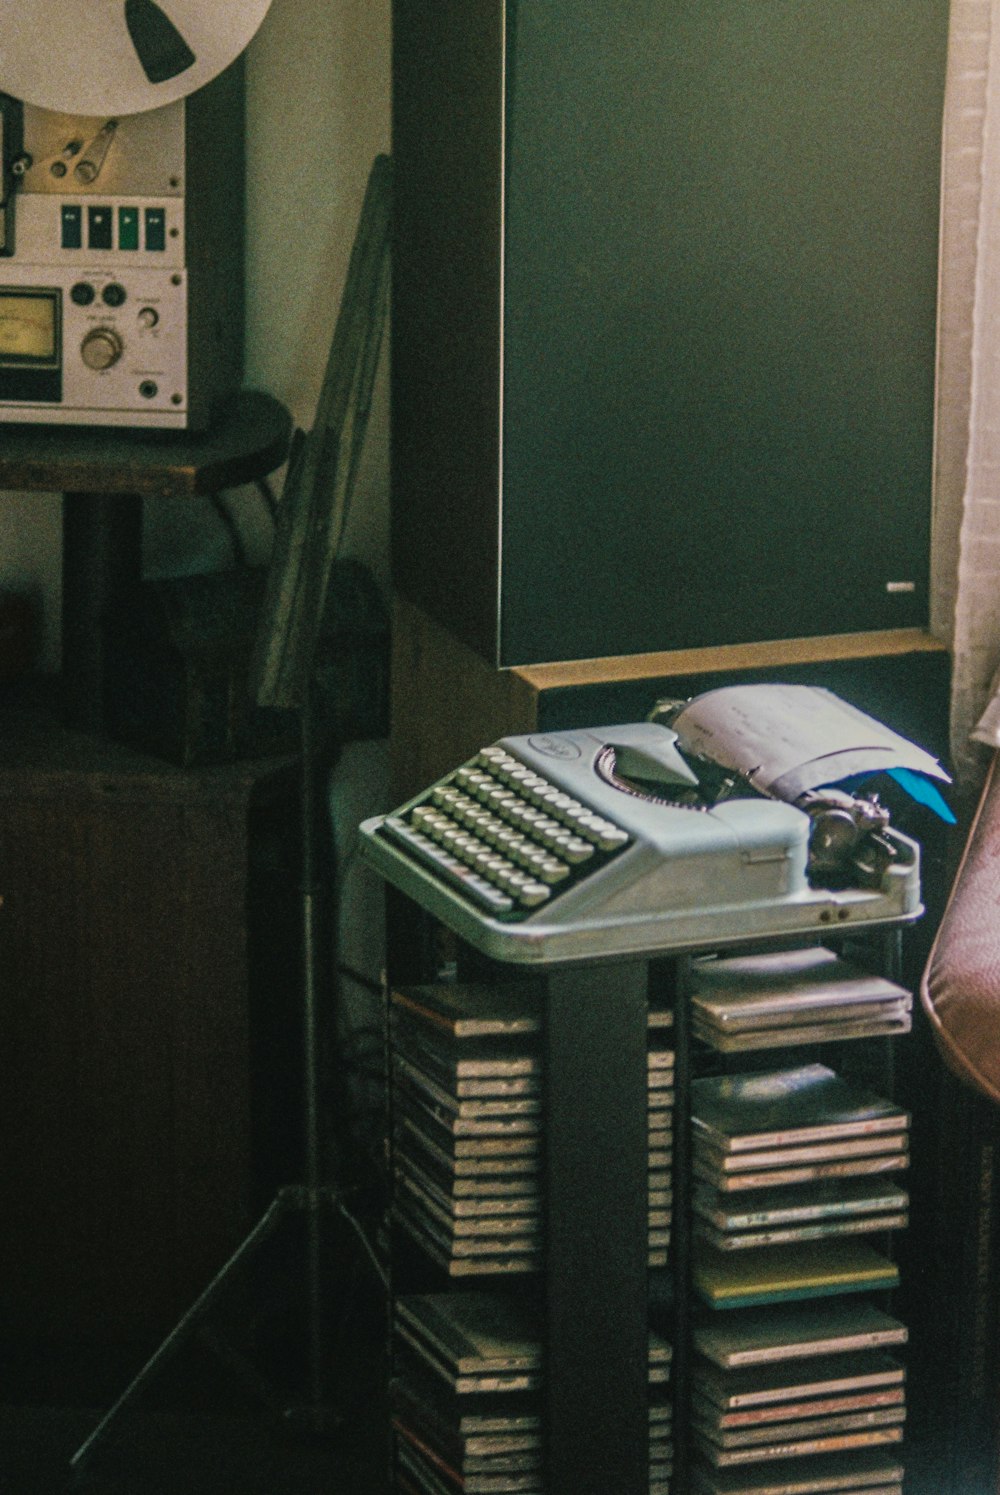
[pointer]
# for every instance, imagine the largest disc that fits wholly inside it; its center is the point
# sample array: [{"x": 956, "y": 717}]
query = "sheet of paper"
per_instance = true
[{"x": 789, "y": 738}]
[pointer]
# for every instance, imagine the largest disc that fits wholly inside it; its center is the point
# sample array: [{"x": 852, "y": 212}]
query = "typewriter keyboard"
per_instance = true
[{"x": 504, "y": 835}]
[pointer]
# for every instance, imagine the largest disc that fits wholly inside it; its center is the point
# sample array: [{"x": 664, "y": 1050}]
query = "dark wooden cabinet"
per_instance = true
[{"x": 148, "y": 945}]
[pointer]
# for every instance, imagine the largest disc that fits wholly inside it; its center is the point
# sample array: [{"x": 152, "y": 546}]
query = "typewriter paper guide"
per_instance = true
[
  {"x": 689, "y": 875},
  {"x": 786, "y": 739}
]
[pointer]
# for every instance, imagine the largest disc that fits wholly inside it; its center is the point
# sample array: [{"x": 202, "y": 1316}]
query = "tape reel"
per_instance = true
[{"x": 109, "y": 57}]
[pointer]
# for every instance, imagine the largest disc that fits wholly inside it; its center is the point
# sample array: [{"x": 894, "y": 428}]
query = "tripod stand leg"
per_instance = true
[
  {"x": 317, "y": 1306},
  {"x": 316, "y": 937},
  {"x": 265, "y": 1226},
  {"x": 313, "y": 1202}
]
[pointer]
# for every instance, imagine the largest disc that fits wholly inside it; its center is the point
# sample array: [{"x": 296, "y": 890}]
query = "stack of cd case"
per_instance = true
[
  {"x": 467, "y": 1091},
  {"x": 792, "y": 997},
  {"x": 465, "y": 1397},
  {"x": 792, "y": 1168},
  {"x": 798, "y": 1400},
  {"x": 794, "y": 1155}
]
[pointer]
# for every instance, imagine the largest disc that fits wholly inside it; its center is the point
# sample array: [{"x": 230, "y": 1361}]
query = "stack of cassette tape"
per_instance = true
[
  {"x": 467, "y": 1118},
  {"x": 466, "y": 1396}
]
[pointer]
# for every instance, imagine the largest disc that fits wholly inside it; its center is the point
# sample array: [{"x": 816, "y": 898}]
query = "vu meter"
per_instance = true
[{"x": 29, "y": 332}]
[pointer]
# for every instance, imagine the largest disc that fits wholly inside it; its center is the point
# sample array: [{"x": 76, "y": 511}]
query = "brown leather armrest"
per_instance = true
[{"x": 960, "y": 989}]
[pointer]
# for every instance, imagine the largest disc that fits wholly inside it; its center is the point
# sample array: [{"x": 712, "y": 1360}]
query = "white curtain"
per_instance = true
[{"x": 965, "y": 608}]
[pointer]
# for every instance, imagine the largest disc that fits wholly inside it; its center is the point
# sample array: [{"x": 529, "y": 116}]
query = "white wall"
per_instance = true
[{"x": 317, "y": 114}]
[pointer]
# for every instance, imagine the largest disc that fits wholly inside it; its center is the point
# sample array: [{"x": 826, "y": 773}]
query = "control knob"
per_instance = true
[{"x": 101, "y": 348}]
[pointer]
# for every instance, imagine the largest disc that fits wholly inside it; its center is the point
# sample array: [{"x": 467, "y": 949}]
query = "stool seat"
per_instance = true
[{"x": 960, "y": 989}]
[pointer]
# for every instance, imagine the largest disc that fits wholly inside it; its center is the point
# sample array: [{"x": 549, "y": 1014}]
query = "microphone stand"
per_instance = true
[{"x": 318, "y": 484}]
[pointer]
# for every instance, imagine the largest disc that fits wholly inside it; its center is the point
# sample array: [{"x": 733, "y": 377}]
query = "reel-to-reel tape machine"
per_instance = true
[{"x": 121, "y": 210}]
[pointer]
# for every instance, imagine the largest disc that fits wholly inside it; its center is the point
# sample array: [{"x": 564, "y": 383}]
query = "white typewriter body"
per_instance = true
[{"x": 538, "y": 851}]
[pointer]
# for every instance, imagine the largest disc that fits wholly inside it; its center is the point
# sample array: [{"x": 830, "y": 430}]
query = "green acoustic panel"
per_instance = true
[
  {"x": 720, "y": 316},
  {"x": 664, "y": 329}
]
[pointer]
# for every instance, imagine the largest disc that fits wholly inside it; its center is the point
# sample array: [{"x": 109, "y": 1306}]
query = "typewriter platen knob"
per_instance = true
[{"x": 101, "y": 348}]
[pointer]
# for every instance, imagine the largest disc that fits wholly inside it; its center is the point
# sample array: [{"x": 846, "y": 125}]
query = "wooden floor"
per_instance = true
[
  {"x": 196, "y": 1427},
  {"x": 172, "y": 1453}
]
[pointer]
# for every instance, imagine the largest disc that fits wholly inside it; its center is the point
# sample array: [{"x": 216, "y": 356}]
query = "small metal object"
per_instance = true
[
  {"x": 88, "y": 168},
  {"x": 846, "y": 844}
]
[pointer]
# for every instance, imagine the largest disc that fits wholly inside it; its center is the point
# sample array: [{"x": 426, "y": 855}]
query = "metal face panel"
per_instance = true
[{"x": 135, "y": 227}]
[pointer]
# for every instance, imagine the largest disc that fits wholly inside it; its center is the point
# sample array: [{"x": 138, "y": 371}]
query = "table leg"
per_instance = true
[
  {"x": 596, "y": 1197},
  {"x": 102, "y": 556}
]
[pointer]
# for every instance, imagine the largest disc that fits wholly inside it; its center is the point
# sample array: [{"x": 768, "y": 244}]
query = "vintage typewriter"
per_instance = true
[{"x": 644, "y": 837}]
